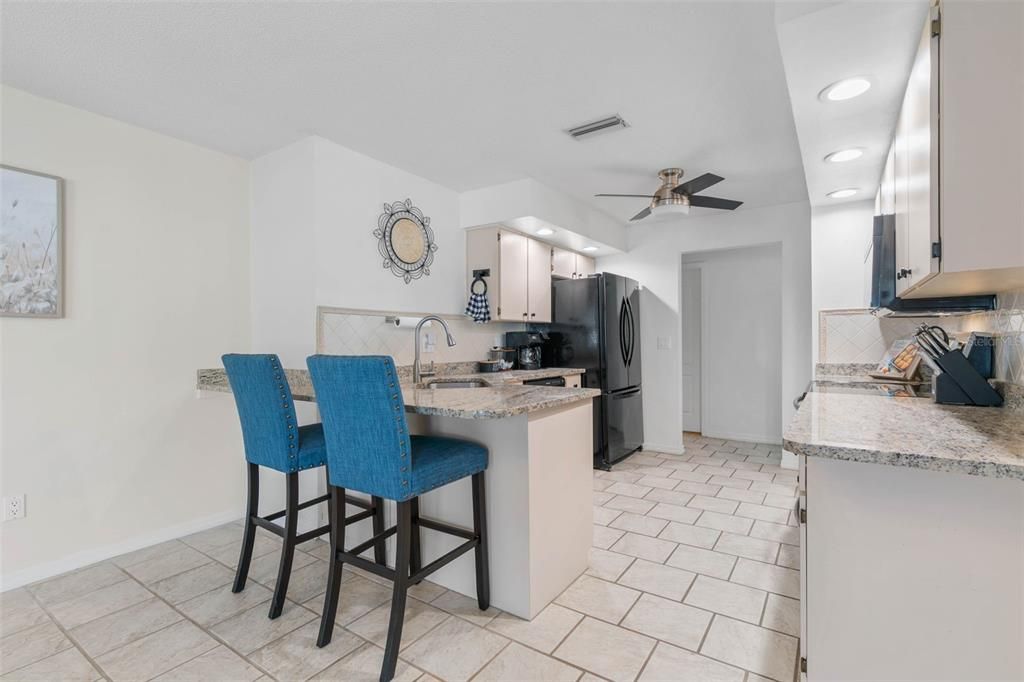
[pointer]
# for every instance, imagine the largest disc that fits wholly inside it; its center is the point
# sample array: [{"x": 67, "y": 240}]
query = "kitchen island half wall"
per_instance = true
[{"x": 539, "y": 481}]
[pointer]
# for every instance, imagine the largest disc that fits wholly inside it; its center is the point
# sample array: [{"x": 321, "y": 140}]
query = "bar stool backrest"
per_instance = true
[
  {"x": 266, "y": 410},
  {"x": 365, "y": 431}
]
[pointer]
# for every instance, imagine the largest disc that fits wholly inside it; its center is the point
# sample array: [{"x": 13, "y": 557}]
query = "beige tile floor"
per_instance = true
[{"x": 693, "y": 576}]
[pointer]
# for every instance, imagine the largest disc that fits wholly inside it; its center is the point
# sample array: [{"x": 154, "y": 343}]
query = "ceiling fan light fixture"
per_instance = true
[
  {"x": 590, "y": 249},
  {"x": 844, "y": 155},
  {"x": 848, "y": 88},
  {"x": 842, "y": 193},
  {"x": 671, "y": 208},
  {"x": 545, "y": 232}
]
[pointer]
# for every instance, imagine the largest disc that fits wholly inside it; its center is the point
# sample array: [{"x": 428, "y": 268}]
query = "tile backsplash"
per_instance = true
[
  {"x": 858, "y": 336},
  {"x": 346, "y": 331}
]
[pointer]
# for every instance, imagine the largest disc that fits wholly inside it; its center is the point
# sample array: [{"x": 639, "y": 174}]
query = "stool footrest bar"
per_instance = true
[
  {"x": 362, "y": 547},
  {"x": 445, "y": 528},
  {"x": 302, "y": 505},
  {"x": 310, "y": 534},
  {"x": 443, "y": 560}
]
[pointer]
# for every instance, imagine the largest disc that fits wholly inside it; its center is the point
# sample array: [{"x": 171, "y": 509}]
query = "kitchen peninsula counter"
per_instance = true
[
  {"x": 912, "y": 538},
  {"x": 539, "y": 476}
]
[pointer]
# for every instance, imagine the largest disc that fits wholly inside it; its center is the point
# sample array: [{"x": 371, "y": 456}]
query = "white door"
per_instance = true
[
  {"x": 539, "y": 287},
  {"x": 690, "y": 342},
  {"x": 512, "y": 305}
]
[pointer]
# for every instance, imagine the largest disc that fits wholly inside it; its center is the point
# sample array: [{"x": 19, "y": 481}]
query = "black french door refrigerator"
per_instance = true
[{"x": 596, "y": 327}]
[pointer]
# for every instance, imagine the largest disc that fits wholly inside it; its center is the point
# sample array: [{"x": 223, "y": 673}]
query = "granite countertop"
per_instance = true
[
  {"x": 503, "y": 397},
  {"x": 909, "y": 432}
]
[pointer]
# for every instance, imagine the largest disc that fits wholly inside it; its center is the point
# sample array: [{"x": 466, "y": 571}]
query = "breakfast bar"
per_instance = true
[{"x": 539, "y": 491}]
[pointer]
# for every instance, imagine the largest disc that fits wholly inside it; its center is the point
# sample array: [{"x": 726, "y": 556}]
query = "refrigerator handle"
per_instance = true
[
  {"x": 632, "y": 332},
  {"x": 622, "y": 331}
]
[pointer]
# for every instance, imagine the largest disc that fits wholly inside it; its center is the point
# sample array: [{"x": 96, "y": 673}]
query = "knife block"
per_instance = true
[{"x": 960, "y": 383}]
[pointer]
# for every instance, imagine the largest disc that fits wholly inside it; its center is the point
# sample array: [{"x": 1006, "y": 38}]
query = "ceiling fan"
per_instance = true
[{"x": 676, "y": 197}]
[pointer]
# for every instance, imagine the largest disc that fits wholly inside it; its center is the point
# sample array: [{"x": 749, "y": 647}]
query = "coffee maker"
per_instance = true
[{"x": 528, "y": 347}]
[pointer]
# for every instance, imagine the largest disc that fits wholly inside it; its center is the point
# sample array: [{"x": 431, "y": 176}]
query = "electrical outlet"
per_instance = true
[
  {"x": 14, "y": 507},
  {"x": 429, "y": 343}
]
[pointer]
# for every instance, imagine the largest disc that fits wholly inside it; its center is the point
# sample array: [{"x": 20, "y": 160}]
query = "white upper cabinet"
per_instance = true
[
  {"x": 519, "y": 285},
  {"x": 538, "y": 286},
  {"x": 571, "y": 265},
  {"x": 956, "y": 160},
  {"x": 563, "y": 264}
]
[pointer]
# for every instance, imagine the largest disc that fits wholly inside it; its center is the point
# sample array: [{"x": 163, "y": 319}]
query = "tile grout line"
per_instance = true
[{"x": 67, "y": 635}]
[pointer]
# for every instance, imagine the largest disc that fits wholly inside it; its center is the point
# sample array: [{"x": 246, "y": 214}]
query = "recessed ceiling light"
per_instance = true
[
  {"x": 545, "y": 232},
  {"x": 847, "y": 88},
  {"x": 845, "y": 155},
  {"x": 590, "y": 248},
  {"x": 841, "y": 193}
]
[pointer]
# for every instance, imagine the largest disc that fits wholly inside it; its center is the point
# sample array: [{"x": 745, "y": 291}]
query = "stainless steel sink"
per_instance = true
[{"x": 458, "y": 384}]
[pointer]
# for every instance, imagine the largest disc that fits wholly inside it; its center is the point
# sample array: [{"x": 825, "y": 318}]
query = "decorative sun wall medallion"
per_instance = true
[{"x": 406, "y": 240}]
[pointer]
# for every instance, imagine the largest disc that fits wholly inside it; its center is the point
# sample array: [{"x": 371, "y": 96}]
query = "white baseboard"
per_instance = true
[
  {"x": 676, "y": 449},
  {"x": 91, "y": 556},
  {"x": 745, "y": 437}
]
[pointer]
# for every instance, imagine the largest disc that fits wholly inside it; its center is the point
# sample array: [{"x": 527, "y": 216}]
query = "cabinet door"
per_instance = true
[
  {"x": 539, "y": 286},
  {"x": 887, "y": 191},
  {"x": 922, "y": 224},
  {"x": 584, "y": 266},
  {"x": 563, "y": 264},
  {"x": 901, "y": 202},
  {"x": 512, "y": 303}
]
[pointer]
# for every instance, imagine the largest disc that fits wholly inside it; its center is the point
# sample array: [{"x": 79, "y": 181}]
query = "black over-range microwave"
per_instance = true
[{"x": 884, "y": 275}]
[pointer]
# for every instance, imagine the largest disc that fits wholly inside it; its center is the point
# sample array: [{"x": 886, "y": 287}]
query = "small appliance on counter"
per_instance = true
[
  {"x": 500, "y": 359},
  {"x": 529, "y": 347},
  {"x": 961, "y": 372}
]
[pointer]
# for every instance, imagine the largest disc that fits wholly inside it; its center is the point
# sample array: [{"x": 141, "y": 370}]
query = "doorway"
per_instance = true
[
  {"x": 690, "y": 310},
  {"x": 731, "y": 343}
]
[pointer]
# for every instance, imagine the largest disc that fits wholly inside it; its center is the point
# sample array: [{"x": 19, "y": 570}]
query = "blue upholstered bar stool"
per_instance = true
[
  {"x": 273, "y": 439},
  {"x": 369, "y": 449}
]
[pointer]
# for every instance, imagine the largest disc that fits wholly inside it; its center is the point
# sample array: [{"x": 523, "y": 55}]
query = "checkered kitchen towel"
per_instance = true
[{"x": 478, "y": 308}]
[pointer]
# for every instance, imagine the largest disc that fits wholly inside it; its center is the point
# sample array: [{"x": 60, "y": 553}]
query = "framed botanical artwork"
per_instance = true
[{"x": 31, "y": 244}]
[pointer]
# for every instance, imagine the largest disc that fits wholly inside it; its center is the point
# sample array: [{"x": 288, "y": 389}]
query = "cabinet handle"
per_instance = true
[
  {"x": 533, "y": 314},
  {"x": 524, "y": 314}
]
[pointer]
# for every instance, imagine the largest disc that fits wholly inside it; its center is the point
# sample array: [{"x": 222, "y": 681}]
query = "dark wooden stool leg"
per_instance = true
[
  {"x": 394, "y": 641},
  {"x": 380, "y": 554},
  {"x": 483, "y": 575},
  {"x": 291, "y": 518},
  {"x": 252, "y": 509},
  {"x": 415, "y": 561},
  {"x": 336, "y": 518}
]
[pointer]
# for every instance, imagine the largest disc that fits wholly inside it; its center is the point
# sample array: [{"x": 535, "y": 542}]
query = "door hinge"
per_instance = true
[
  {"x": 803, "y": 515},
  {"x": 936, "y": 27},
  {"x": 803, "y": 664},
  {"x": 499, "y": 311},
  {"x": 499, "y": 236},
  {"x": 936, "y": 249}
]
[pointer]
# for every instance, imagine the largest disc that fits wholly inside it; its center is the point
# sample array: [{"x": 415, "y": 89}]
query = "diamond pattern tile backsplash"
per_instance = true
[
  {"x": 857, "y": 336},
  {"x": 365, "y": 332}
]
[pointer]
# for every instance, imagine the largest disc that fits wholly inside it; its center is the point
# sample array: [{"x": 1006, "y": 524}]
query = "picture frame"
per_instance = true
[{"x": 31, "y": 243}]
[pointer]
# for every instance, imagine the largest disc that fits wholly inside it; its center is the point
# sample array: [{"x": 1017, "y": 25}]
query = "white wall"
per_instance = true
[
  {"x": 506, "y": 202},
  {"x": 654, "y": 259},
  {"x": 101, "y": 429},
  {"x": 741, "y": 331},
  {"x": 314, "y": 208},
  {"x": 840, "y": 258}
]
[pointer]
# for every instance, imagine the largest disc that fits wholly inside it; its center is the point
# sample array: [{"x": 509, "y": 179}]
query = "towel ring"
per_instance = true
[{"x": 478, "y": 280}]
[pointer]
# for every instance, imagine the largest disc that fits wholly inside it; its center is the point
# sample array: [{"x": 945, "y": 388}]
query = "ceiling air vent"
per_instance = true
[{"x": 604, "y": 125}]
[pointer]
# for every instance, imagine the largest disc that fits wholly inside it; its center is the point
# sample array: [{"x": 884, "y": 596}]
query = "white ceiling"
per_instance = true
[
  {"x": 465, "y": 94},
  {"x": 837, "y": 40}
]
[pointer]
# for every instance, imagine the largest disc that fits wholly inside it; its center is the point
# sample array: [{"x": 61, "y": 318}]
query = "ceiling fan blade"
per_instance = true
[
  {"x": 641, "y": 215},
  {"x": 715, "y": 202},
  {"x": 698, "y": 184},
  {"x": 641, "y": 196}
]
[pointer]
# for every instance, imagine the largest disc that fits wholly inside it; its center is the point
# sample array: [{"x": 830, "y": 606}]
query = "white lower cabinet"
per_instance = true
[{"x": 910, "y": 574}]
